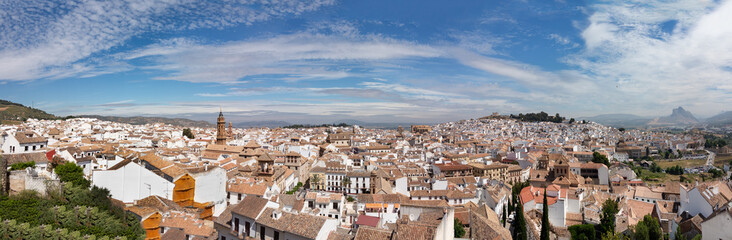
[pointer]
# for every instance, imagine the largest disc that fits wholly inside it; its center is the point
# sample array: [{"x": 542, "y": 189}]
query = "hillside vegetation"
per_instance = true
[{"x": 13, "y": 112}]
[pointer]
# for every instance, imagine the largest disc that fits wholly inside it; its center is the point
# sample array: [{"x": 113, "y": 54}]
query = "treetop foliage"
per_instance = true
[{"x": 538, "y": 117}]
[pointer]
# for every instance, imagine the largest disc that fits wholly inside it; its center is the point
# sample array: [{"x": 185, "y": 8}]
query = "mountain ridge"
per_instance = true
[
  {"x": 139, "y": 120},
  {"x": 679, "y": 116}
]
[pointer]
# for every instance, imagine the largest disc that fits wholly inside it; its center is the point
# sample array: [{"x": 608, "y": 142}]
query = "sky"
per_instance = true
[{"x": 377, "y": 61}]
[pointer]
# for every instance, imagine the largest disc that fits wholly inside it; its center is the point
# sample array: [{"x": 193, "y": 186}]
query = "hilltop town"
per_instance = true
[{"x": 488, "y": 178}]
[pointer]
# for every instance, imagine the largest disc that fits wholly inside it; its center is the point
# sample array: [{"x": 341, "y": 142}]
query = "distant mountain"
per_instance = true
[
  {"x": 618, "y": 120},
  {"x": 269, "y": 124},
  {"x": 679, "y": 116},
  {"x": 724, "y": 118},
  {"x": 374, "y": 125},
  {"x": 11, "y": 112},
  {"x": 183, "y": 122}
]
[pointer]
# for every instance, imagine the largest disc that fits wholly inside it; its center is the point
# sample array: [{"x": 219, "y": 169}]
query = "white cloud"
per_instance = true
[
  {"x": 297, "y": 56},
  {"x": 628, "y": 51},
  {"x": 53, "y": 39}
]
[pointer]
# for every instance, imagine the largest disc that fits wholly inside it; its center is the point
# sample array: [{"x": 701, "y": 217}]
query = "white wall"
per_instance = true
[
  {"x": 717, "y": 227},
  {"x": 557, "y": 213},
  {"x": 602, "y": 175},
  {"x": 439, "y": 185},
  {"x": 401, "y": 186},
  {"x": 132, "y": 182},
  {"x": 211, "y": 187},
  {"x": 695, "y": 204}
]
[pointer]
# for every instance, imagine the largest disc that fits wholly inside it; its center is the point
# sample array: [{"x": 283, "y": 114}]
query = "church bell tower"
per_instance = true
[{"x": 221, "y": 129}]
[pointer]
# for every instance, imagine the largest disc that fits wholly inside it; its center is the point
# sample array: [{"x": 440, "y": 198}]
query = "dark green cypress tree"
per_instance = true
[
  {"x": 545, "y": 219},
  {"x": 519, "y": 229},
  {"x": 503, "y": 220}
]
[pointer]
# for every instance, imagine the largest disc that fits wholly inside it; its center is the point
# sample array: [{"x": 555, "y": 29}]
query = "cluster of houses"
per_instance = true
[{"x": 358, "y": 183}]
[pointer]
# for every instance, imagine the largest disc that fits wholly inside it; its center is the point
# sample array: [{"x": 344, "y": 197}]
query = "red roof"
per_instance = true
[
  {"x": 367, "y": 221},
  {"x": 531, "y": 193},
  {"x": 50, "y": 154}
]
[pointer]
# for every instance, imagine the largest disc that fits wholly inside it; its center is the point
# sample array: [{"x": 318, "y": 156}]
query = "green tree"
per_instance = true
[
  {"x": 22, "y": 165},
  {"x": 315, "y": 180},
  {"x": 571, "y": 120},
  {"x": 345, "y": 183},
  {"x": 678, "y": 235},
  {"x": 582, "y": 232},
  {"x": 607, "y": 216},
  {"x": 459, "y": 229},
  {"x": 716, "y": 173},
  {"x": 614, "y": 236},
  {"x": 599, "y": 158},
  {"x": 188, "y": 133},
  {"x": 503, "y": 218},
  {"x": 545, "y": 219},
  {"x": 71, "y": 173},
  {"x": 648, "y": 228},
  {"x": 519, "y": 224}
]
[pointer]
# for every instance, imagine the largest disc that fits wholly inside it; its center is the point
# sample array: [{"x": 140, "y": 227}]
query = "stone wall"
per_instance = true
[
  {"x": 28, "y": 179},
  {"x": 4, "y": 184}
]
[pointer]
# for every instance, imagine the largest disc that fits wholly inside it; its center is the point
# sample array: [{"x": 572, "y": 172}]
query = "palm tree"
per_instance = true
[
  {"x": 315, "y": 179},
  {"x": 345, "y": 182}
]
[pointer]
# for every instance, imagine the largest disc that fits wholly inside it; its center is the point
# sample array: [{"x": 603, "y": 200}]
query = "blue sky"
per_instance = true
[{"x": 377, "y": 61}]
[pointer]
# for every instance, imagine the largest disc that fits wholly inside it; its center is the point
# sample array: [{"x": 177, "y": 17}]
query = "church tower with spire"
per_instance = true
[{"x": 221, "y": 129}]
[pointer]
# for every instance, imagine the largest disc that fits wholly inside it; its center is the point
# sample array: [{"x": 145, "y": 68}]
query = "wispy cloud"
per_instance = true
[
  {"x": 631, "y": 49},
  {"x": 54, "y": 39},
  {"x": 298, "y": 56}
]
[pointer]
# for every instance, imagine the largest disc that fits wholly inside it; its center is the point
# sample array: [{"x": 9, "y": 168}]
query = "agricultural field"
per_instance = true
[{"x": 681, "y": 162}]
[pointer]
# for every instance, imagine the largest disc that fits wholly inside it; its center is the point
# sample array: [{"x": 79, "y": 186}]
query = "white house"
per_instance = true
[
  {"x": 717, "y": 225},
  {"x": 151, "y": 175},
  {"x": 22, "y": 142},
  {"x": 703, "y": 198},
  {"x": 258, "y": 218}
]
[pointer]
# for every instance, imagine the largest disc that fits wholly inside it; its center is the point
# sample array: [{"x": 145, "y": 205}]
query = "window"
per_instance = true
[
  {"x": 34, "y": 147},
  {"x": 228, "y": 195},
  {"x": 223, "y": 238},
  {"x": 335, "y": 205},
  {"x": 236, "y": 225},
  {"x": 310, "y": 204},
  {"x": 261, "y": 232},
  {"x": 26, "y": 148},
  {"x": 276, "y": 235},
  {"x": 239, "y": 198}
]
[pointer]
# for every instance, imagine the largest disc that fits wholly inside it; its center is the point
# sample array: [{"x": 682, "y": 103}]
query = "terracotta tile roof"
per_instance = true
[
  {"x": 250, "y": 207},
  {"x": 484, "y": 225},
  {"x": 223, "y": 148},
  {"x": 142, "y": 212},
  {"x": 160, "y": 203},
  {"x": 247, "y": 187},
  {"x": 164, "y": 166},
  {"x": 413, "y": 232},
  {"x": 23, "y": 138},
  {"x": 298, "y": 224},
  {"x": 645, "y": 192},
  {"x": 637, "y": 210},
  {"x": 36, "y": 157},
  {"x": 364, "y": 220},
  {"x": 370, "y": 233},
  {"x": 174, "y": 234},
  {"x": 189, "y": 223}
]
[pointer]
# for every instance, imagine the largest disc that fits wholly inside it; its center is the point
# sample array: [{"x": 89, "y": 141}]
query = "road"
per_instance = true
[{"x": 710, "y": 158}]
